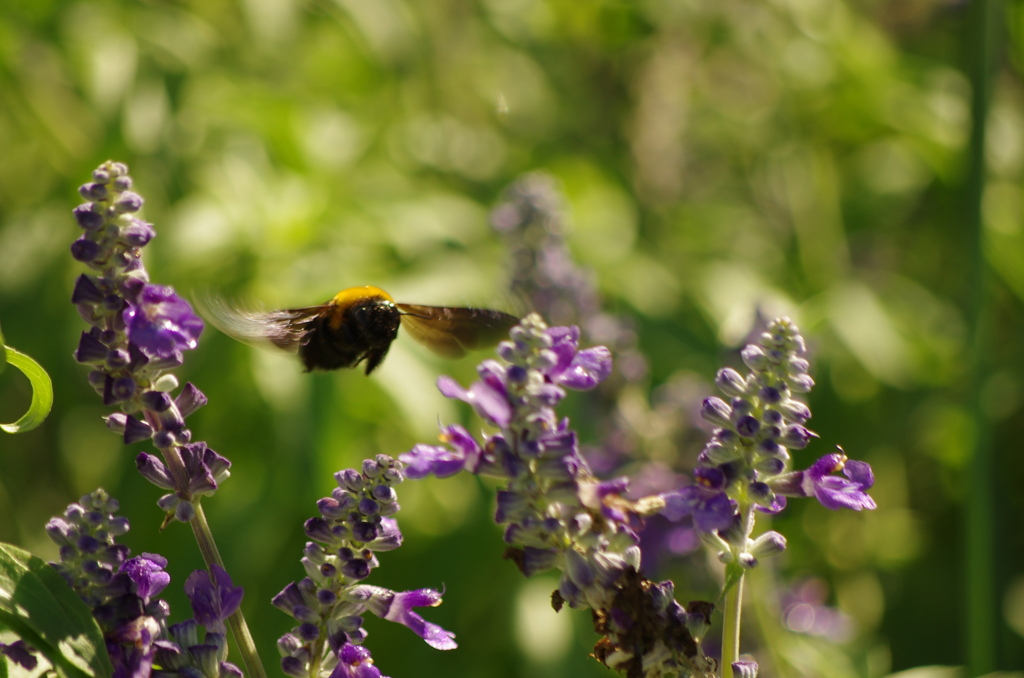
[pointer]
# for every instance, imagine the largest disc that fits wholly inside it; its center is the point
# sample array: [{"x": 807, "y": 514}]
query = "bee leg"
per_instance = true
[{"x": 374, "y": 357}]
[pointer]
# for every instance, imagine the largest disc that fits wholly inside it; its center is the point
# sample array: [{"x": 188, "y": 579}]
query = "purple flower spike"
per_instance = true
[
  {"x": 138, "y": 332},
  {"x": 556, "y": 514},
  {"x": 354, "y": 523},
  {"x": 120, "y": 591},
  {"x": 161, "y": 323},
  {"x": 213, "y": 601}
]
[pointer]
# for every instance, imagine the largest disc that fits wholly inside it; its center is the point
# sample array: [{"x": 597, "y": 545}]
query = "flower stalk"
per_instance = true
[
  {"x": 138, "y": 332},
  {"x": 744, "y": 469},
  {"x": 731, "y": 615}
]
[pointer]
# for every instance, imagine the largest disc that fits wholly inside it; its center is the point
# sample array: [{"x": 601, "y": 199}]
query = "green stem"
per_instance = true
[
  {"x": 731, "y": 626},
  {"x": 211, "y": 556},
  {"x": 236, "y": 622},
  {"x": 735, "y": 575},
  {"x": 982, "y": 45}
]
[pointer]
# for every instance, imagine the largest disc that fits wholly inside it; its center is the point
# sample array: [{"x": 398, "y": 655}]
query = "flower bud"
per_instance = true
[
  {"x": 771, "y": 543},
  {"x": 717, "y": 412},
  {"x": 94, "y": 191},
  {"x": 744, "y": 669},
  {"x": 794, "y": 410},
  {"x": 800, "y": 383},
  {"x": 128, "y": 202},
  {"x": 754, "y": 357},
  {"x": 85, "y": 250},
  {"x": 730, "y": 382}
]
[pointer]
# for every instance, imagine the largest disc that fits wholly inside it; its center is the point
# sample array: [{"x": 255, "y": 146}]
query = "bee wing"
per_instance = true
[
  {"x": 284, "y": 329},
  {"x": 450, "y": 332}
]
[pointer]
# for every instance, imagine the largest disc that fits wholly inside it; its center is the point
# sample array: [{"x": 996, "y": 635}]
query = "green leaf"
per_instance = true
[
  {"x": 42, "y": 390},
  {"x": 39, "y": 607}
]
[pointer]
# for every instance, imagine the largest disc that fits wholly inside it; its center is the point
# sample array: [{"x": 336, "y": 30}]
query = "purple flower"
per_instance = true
[
  {"x": 397, "y": 606},
  {"x": 749, "y": 449},
  {"x": 206, "y": 469},
  {"x": 85, "y": 250},
  {"x": 354, "y": 661},
  {"x": 563, "y": 366},
  {"x": 489, "y": 396},
  {"x": 212, "y": 601},
  {"x": 464, "y": 454},
  {"x": 777, "y": 504},
  {"x": 147, "y": 575},
  {"x": 731, "y": 382},
  {"x": 710, "y": 507},
  {"x": 574, "y": 369},
  {"x": 834, "y": 492},
  {"x": 161, "y": 323}
]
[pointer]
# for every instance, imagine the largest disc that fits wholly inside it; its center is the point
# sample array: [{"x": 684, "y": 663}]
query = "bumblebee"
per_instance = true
[{"x": 359, "y": 324}]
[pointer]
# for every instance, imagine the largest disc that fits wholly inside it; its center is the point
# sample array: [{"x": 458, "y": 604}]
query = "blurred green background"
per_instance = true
[{"x": 721, "y": 161}]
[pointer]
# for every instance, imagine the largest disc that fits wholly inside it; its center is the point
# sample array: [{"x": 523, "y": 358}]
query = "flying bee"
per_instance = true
[{"x": 359, "y": 324}]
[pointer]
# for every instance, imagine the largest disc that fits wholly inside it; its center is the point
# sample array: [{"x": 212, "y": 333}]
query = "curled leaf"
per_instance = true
[{"x": 42, "y": 389}]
